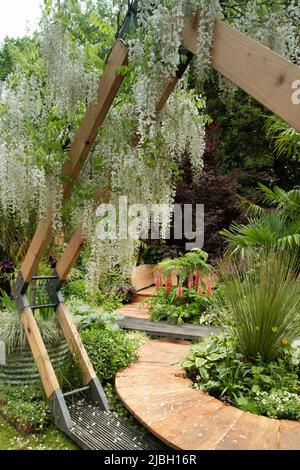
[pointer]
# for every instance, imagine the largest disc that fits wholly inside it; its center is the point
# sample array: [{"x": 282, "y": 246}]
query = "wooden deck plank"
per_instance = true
[
  {"x": 161, "y": 397},
  {"x": 210, "y": 424},
  {"x": 134, "y": 310},
  {"x": 289, "y": 435},
  {"x": 250, "y": 433}
]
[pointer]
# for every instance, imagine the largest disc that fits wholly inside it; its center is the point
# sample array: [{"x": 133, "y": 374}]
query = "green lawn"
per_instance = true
[{"x": 49, "y": 439}]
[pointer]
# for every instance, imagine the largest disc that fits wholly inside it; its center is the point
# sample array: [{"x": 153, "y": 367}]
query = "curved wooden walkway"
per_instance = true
[{"x": 159, "y": 395}]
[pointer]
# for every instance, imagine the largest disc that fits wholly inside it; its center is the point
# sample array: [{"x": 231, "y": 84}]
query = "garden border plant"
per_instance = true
[
  {"x": 255, "y": 366},
  {"x": 192, "y": 299}
]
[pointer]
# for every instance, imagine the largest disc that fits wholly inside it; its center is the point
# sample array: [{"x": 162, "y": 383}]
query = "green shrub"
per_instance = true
[
  {"x": 216, "y": 366},
  {"x": 278, "y": 227},
  {"x": 261, "y": 303},
  {"x": 110, "y": 349},
  {"x": 76, "y": 289},
  {"x": 108, "y": 302}
]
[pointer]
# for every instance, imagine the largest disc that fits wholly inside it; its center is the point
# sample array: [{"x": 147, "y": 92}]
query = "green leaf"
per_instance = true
[
  {"x": 203, "y": 372},
  {"x": 216, "y": 356},
  {"x": 187, "y": 364},
  {"x": 200, "y": 361},
  {"x": 266, "y": 378}
]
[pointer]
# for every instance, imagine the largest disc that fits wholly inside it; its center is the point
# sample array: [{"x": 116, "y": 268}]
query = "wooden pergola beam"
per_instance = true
[
  {"x": 76, "y": 346},
  {"x": 95, "y": 115},
  {"x": 260, "y": 72},
  {"x": 39, "y": 352},
  {"x": 70, "y": 254}
]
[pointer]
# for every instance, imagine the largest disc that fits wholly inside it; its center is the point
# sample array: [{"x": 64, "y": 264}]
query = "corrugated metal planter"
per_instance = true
[{"x": 20, "y": 368}]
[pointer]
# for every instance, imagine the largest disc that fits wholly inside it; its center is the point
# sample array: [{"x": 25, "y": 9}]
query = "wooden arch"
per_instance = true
[{"x": 261, "y": 73}]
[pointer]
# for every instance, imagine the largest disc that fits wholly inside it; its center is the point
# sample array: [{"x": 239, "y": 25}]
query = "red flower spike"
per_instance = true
[
  {"x": 190, "y": 280},
  {"x": 199, "y": 288},
  {"x": 208, "y": 286},
  {"x": 168, "y": 284},
  {"x": 158, "y": 280},
  {"x": 179, "y": 290},
  {"x": 197, "y": 277}
]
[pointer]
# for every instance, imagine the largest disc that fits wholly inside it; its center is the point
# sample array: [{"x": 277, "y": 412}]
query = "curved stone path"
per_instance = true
[{"x": 159, "y": 395}]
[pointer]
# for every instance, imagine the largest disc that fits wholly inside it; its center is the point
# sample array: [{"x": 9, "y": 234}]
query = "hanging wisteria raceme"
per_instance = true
[
  {"x": 42, "y": 109},
  {"x": 278, "y": 29},
  {"x": 68, "y": 83}
]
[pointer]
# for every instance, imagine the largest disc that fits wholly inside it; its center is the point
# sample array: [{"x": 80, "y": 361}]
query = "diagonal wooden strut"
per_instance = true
[
  {"x": 260, "y": 72},
  {"x": 72, "y": 336},
  {"x": 39, "y": 352}
]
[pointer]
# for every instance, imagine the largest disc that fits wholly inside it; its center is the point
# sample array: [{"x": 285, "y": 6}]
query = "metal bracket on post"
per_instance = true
[
  {"x": 184, "y": 63},
  {"x": 98, "y": 395},
  {"x": 130, "y": 20},
  {"x": 19, "y": 292},
  {"x": 60, "y": 412},
  {"x": 53, "y": 289}
]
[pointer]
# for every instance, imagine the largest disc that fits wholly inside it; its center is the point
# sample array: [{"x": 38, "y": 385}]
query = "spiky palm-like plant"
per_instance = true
[
  {"x": 285, "y": 138},
  {"x": 279, "y": 227},
  {"x": 261, "y": 302}
]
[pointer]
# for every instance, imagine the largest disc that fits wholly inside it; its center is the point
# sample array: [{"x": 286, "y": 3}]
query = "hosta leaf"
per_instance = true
[
  {"x": 188, "y": 364},
  {"x": 203, "y": 372},
  {"x": 266, "y": 379},
  {"x": 200, "y": 361},
  {"x": 215, "y": 356}
]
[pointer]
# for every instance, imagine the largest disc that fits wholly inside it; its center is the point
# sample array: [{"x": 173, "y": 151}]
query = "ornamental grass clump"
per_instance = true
[{"x": 260, "y": 302}]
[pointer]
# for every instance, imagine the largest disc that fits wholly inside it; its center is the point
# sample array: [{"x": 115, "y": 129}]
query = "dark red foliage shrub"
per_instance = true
[{"x": 220, "y": 195}]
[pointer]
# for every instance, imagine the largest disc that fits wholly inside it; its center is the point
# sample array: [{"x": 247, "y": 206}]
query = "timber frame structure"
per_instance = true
[{"x": 254, "y": 68}]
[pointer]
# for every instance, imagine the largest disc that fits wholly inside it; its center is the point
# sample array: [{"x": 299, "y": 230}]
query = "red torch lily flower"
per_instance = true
[
  {"x": 190, "y": 280},
  {"x": 179, "y": 290}
]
